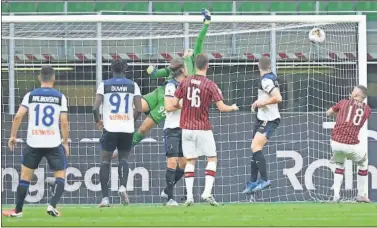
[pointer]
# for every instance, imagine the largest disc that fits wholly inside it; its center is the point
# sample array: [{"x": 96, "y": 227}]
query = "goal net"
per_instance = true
[{"x": 312, "y": 78}]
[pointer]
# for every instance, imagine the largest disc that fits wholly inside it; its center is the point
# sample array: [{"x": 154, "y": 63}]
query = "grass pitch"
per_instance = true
[{"x": 270, "y": 214}]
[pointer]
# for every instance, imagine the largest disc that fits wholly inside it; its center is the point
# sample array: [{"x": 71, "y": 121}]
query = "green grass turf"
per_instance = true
[{"x": 270, "y": 214}]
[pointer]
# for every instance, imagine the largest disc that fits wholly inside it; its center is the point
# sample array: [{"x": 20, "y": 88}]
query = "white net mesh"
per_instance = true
[{"x": 312, "y": 78}]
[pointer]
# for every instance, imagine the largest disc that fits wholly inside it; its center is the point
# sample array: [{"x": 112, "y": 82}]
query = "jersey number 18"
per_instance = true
[
  {"x": 47, "y": 115},
  {"x": 357, "y": 115}
]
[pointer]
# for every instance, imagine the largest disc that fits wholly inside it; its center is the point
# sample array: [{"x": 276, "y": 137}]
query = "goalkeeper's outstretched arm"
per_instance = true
[
  {"x": 203, "y": 32},
  {"x": 158, "y": 73}
]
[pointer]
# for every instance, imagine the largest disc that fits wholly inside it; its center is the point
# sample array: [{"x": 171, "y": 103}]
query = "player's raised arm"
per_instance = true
[
  {"x": 158, "y": 73},
  {"x": 22, "y": 110},
  {"x": 203, "y": 32},
  {"x": 64, "y": 124},
  {"x": 137, "y": 102},
  {"x": 97, "y": 103}
]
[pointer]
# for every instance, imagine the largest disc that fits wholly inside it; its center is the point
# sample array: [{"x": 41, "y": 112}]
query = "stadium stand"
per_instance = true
[{"x": 244, "y": 7}]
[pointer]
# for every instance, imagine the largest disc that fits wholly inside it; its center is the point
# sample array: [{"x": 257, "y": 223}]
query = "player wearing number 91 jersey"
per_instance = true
[
  {"x": 345, "y": 144},
  {"x": 197, "y": 93},
  {"x": 118, "y": 97}
]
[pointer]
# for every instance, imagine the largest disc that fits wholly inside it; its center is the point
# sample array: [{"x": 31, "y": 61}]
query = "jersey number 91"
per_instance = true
[{"x": 115, "y": 100}]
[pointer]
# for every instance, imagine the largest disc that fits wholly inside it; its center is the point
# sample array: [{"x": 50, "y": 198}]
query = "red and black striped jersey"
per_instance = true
[
  {"x": 351, "y": 116},
  {"x": 197, "y": 93}
]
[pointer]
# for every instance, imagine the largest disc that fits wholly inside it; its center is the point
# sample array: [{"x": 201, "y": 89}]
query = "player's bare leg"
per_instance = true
[
  {"x": 57, "y": 193},
  {"x": 189, "y": 180},
  {"x": 104, "y": 175},
  {"x": 123, "y": 171},
  {"x": 22, "y": 190}
]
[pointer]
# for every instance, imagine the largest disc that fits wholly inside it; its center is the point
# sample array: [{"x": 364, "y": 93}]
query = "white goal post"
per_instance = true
[{"x": 298, "y": 152}]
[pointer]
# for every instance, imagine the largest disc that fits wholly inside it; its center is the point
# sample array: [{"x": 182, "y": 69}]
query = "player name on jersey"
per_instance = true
[
  {"x": 125, "y": 88},
  {"x": 45, "y": 99}
]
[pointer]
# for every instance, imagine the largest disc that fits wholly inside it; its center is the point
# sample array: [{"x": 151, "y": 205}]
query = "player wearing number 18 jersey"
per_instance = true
[
  {"x": 46, "y": 106},
  {"x": 345, "y": 144},
  {"x": 197, "y": 93},
  {"x": 118, "y": 96}
]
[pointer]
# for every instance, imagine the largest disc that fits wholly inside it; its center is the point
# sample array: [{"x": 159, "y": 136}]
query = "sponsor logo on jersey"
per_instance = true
[
  {"x": 47, "y": 132},
  {"x": 119, "y": 116}
]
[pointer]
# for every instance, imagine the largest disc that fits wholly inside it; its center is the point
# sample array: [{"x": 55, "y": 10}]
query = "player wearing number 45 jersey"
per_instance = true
[
  {"x": 46, "y": 106},
  {"x": 118, "y": 96},
  {"x": 345, "y": 144},
  {"x": 197, "y": 93}
]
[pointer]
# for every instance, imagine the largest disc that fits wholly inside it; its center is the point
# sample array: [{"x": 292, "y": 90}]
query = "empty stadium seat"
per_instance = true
[
  {"x": 222, "y": 7},
  {"x": 334, "y": 7},
  {"x": 368, "y": 6},
  {"x": 78, "y": 7},
  {"x": 304, "y": 6},
  {"x": 284, "y": 6},
  {"x": 4, "y": 7},
  {"x": 253, "y": 7},
  {"x": 136, "y": 6},
  {"x": 109, "y": 6},
  {"x": 22, "y": 7},
  {"x": 195, "y": 6},
  {"x": 51, "y": 7},
  {"x": 167, "y": 7}
]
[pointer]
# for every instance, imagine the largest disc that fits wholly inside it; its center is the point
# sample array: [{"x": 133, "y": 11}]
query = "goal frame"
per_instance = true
[{"x": 313, "y": 19}]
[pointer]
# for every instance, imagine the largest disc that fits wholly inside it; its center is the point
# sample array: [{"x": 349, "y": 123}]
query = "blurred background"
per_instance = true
[{"x": 75, "y": 60}]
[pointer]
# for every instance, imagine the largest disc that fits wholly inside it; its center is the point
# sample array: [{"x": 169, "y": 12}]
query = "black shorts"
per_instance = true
[
  {"x": 116, "y": 140},
  {"x": 55, "y": 157},
  {"x": 173, "y": 142},
  {"x": 266, "y": 127}
]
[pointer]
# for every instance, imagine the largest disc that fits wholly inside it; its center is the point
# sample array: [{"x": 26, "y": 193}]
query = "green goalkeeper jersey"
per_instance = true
[{"x": 188, "y": 60}]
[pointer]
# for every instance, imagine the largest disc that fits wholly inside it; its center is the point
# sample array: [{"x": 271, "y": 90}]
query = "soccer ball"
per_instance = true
[{"x": 317, "y": 35}]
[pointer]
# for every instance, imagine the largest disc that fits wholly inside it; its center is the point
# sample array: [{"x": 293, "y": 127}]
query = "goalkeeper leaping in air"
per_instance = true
[{"x": 153, "y": 103}]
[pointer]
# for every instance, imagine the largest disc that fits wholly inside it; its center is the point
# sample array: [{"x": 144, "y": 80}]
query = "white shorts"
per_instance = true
[
  {"x": 196, "y": 143},
  {"x": 341, "y": 152}
]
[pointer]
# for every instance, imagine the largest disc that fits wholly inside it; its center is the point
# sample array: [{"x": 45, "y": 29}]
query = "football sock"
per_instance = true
[
  {"x": 210, "y": 178},
  {"x": 123, "y": 172},
  {"x": 104, "y": 172},
  {"x": 254, "y": 170},
  {"x": 170, "y": 177},
  {"x": 189, "y": 179},
  {"x": 179, "y": 172},
  {"x": 362, "y": 178},
  {"x": 58, "y": 191},
  {"x": 338, "y": 180},
  {"x": 137, "y": 137},
  {"x": 22, "y": 190},
  {"x": 261, "y": 164}
]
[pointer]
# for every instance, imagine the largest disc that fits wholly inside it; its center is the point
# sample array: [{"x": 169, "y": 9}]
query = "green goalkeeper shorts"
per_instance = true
[{"x": 156, "y": 103}]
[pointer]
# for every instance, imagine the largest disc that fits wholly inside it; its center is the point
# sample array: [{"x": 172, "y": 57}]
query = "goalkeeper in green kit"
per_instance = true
[{"x": 153, "y": 103}]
